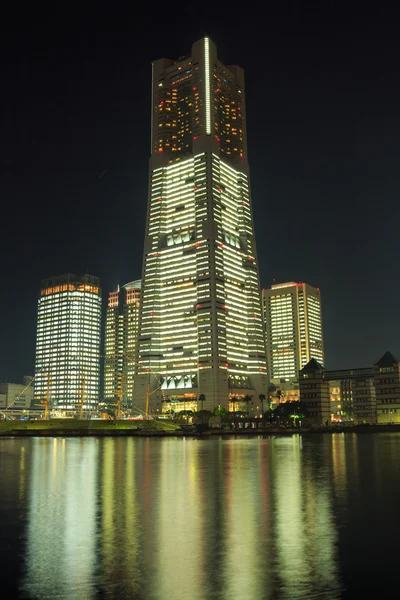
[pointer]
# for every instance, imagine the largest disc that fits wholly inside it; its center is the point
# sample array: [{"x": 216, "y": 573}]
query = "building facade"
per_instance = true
[
  {"x": 387, "y": 387},
  {"x": 293, "y": 327},
  {"x": 67, "y": 368},
  {"x": 200, "y": 328},
  {"x": 315, "y": 394},
  {"x": 16, "y": 396},
  {"x": 365, "y": 395},
  {"x": 121, "y": 334}
]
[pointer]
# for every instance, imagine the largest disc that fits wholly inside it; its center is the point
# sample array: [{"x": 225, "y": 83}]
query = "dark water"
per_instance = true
[{"x": 260, "y": 518}]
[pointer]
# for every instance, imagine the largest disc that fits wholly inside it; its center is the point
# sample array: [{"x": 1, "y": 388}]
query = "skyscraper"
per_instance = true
[
  {"x": 67, "y": 366},
  {"x": 200, "y": 329},
  {"x": 292, "y": 315},
  {"x": 120, "y": 342}
]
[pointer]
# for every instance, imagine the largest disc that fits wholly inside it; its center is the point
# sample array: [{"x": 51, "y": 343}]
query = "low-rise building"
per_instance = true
[
  {"x": 16, "y": 395},
  {"x": 367, "y": 395},
  {"x": 315, "y": 393},
  {"x": 387, "y": 387}
]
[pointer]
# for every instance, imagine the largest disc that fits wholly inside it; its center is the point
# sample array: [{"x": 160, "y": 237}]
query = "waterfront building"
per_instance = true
[
  {"x": 357, "y": 393},
  {"x": 293, "y": 327},
  {"x": 387, "y": 386},
  {"x": 200, "y": 327},
  {"x": 315, "y": 393},
  {"x": 121, "y": 333},
  {"x": 67, "y": 367}
]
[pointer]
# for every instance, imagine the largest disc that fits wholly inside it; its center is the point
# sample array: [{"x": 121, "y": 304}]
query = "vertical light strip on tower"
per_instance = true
[{"x": 207, "y": 84}]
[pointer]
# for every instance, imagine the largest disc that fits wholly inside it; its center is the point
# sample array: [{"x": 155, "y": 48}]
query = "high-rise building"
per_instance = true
[
  {"x": 200, "y": 329},
  {"x": 121, "y": 335},
  {"x": 293, "y": 324},
  {"x": 67, "y": 369}
]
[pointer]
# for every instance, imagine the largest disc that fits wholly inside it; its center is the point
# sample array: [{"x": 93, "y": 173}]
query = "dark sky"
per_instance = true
[{"x": 323, "y": 105}]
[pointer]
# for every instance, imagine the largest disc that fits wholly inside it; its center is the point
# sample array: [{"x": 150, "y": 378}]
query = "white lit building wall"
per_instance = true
[
  {"x": 200, "y": 325},
  {"x": 179, "y": 308},
  {"x": 292, "y": 313},
  {"x": 68, "y": 343},
  {"x": 121, "y": 333}
]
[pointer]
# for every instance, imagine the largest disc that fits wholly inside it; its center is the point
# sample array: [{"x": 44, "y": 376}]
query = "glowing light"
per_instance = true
[{"x": 207, "y": 84}]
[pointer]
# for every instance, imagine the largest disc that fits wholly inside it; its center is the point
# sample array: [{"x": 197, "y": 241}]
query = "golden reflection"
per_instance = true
[
  {"x": 247, "y": 545},
  {"x": 61, "y": 521},
  {"x": 183, "y": 518},
  {"x": 177, "y": 560},
  {"x": 22, "y": 474},
  {"x": 339, "y": 465},
  {"x": 305, "y": 532}
]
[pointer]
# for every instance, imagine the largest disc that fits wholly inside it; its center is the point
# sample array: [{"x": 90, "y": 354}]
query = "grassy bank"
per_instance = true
[{"x": 77, "y": 427}]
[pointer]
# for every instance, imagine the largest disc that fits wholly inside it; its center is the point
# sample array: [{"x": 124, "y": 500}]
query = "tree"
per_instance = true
[
  {"x": 290, "y": 410},
  {"x": 262, "y": 398},
  {"x": 247, "y": 399},
  {"x": 219, "y": 411}
]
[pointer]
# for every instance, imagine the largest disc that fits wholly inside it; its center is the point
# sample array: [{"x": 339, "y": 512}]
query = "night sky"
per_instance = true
[{"x": 323, "y": 105}]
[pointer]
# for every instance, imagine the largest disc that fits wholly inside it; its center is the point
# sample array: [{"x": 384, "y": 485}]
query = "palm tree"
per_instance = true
[
  {"x": 247, "y": 399},
  {"x": 262, "y": 398},
  {"x": 201, "y": 398}
]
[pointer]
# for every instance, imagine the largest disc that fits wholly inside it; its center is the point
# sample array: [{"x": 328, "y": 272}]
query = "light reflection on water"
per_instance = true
[{"x": 258, "y": 518}]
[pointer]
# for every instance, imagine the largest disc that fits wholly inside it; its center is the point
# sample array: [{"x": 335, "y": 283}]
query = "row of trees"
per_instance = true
[{"x": 284, "y": 412}]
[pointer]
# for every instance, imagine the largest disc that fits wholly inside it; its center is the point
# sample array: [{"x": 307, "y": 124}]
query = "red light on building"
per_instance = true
[
  {"x": 217, "y": 138},
  {"x": 195, "y": 137},
  {"x": 255, "y": 316},
  {"x": 244, "y": 203},
  {"x": 194, "y": 88},
  {"x": 241, "y": 155},
  {"x": 217, "y": 90},
  {"x": 198, "y": 305},
  {"x": 160, "y": 199},
  {"x": 147, "y": 368},
  {"x": 200, "y": 364},
  {"x": 220, "y": 189},
  {"x": 250, "y": 258},
  {"x": 196, "y": 187},
  {"x": 221, "y": 245},
  {"x": 155, "y": 254},
  {"x": 160, "y": 150},
  {"x": 224, "y": 306},
  {"x": 151, "y": 314},
  {"x": 161, "y": 101},
  {"x": 197, "y": 244},
  {"x": 226, "y": 364}
]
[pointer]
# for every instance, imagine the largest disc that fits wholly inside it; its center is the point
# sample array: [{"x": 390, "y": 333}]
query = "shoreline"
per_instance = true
[{"x": 269, "y": 431}]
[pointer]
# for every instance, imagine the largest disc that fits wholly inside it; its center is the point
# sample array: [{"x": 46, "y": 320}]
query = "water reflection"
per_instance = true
[
  {"x": 259, "y": 518},
  {"x": 61, "y": 538}
]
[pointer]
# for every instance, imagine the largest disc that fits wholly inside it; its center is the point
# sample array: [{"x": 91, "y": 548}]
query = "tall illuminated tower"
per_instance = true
[
  {"x": 121, "y": 333},
  {"x": 200, "y": 329},
  {"x": 293, "y": 323},
  {"x": 67, "y": 365}
]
